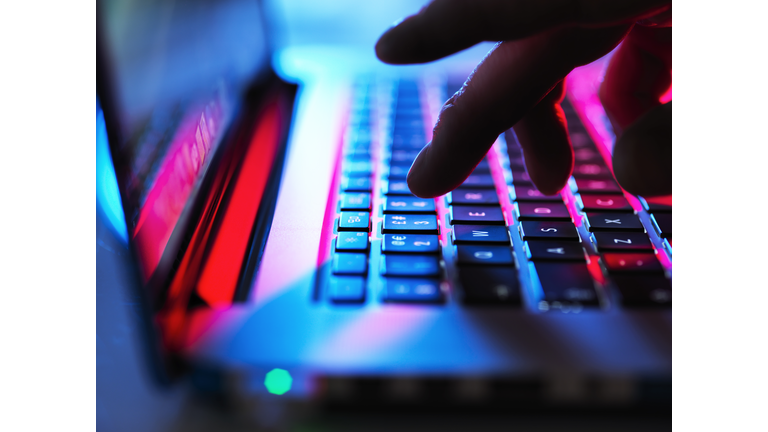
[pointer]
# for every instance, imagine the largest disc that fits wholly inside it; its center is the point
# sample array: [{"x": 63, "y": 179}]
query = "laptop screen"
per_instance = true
[{"x": 173, "y": 74}]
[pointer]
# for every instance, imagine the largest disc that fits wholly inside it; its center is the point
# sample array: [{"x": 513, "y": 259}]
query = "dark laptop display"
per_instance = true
[{"x": 171, "y": 80}]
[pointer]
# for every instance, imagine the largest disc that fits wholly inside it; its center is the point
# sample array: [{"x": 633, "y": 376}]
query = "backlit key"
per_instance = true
[
  {"x": 644, "y": 290},
  {"x": 548, "y": 230},
  {"x": 480, "y": 234},
  {"x": 530, "y": 193},
  {"x": 614, "y": 202},
  {"x": 631, "y": 262},
  {"x": 612, "y": 222},
  {"x": 352, "y": 242},
  {"x": 408, "y": 204},
  {"x": 590, "y": 186},
  {"x": 607, "y": 241},
  {"x": 592, "y": 170},
  {"x": 410, "y": 243},
  {"x": 489, "y": 285},
  {"x": 347, "y": 289},
  {"x": 410, "y": 265},
  {"x": 464, "y": 196},
  {"x": 350, "y": 263},
  {"x": 354, "y": 221},
  {"x": 478, "y": 181},
  {"x": 554, "y": 250},
  {"x": 412, "y": 290},
  {"x": 355, "y": 201},
  {"x": 565, "y": 284},
  {"x": 410, "y": 223},
  {"x": 541, "y": 210},
  {"x": 397, "y": 187},
  {"x": 484, "y": 255},
  {"x": 356, "y": 184},
  {"x": 477, "y": 215}
]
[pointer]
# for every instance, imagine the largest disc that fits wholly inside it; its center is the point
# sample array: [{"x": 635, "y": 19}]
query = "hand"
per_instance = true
[{"x": 520, "y": 84}]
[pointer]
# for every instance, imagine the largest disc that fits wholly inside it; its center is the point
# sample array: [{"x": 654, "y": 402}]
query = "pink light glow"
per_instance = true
[
  {"x": 376, "y": 333},
  {"x": 191, "y": 147}
]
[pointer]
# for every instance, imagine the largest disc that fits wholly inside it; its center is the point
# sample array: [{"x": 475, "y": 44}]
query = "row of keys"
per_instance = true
[
  {"x": 485, "y": 264},
  {"x": 410, "y": 263},
  {"x": 551, "y": 242},
  {"x": 351, "y": 245}
]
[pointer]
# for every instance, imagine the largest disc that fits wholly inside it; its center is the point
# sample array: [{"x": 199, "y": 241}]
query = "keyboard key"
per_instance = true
[
  {"x": 355, "y": 201},
  {"x": 410, "y": 265},
  {"x": 410, "y": 223},
  {"x": 554, "y": 250},
  {"x": 530, "y": 193},
  {"x": 477, "y": 215},
  {"x": 662, "y": 223},
  {"x": 538, "y": 211},
  {"x": 357, "y": 153},
  {"x": 592, "y": 170},
  {"x": 412, "y": 290},
  {"x": 352, "y": 242},
  {"x": 482, "y": 169},
  {"x": 614, "y": 202},
  {"x": 410, "y": 243},
  {"x": 403, "y": 157},
  {"x": 479, "y": 181},
  {"x": 631, "y": 262},
  {"x": 347, "y": 289},
  {"x": 489, "y": 285},
  {"x": 397, "y": 172},
  {"x": 397, "y": 187},
  {"x": 480, "y": 234},
  {"x": 588, "y": 186},
  {"x": 547, "y": 230},
  {"x": 657, "y": 204},
  {"x": 607, "y": 241},
  {"x": 517, "y": 163},
  {"x": 406, "y": 204},
  {"x": 565, "y": 284},
  {"x": 357, "y": 168},
  {"x": 579, "y": 137},
  {"x": 644, "y": 290},
  {"x": 521, "y": 178},
  {"x": 350, "y": 263},
  {"x": 612, "y": 222},
  {"x": 483, "y": 165},
  {"x": 473, "y": 196},
  {"x": 356, "y": 184},
  {"x": 408, "y": 140},
  {"x": 355, "y": 221},
  {"x": 484, "y": 255},
  {"x": 587, "y": 155}
]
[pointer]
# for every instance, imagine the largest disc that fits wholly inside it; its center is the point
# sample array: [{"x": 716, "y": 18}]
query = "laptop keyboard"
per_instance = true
[{"x": 495, "y": 240}]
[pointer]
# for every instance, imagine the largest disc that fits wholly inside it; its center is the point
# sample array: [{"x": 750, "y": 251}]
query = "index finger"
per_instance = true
[
  {"x": 511, "y": 80},
  {"x": 445, "y": 27}
]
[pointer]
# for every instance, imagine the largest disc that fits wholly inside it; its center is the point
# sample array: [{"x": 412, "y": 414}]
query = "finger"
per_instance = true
[
  {"x": 637, "y": 76},
  {"x": 642, "y": 156},
  {"x": 511, "y": 80},
  {"x": 543, "y": 135},
  {"x": 445, "y": 27}
]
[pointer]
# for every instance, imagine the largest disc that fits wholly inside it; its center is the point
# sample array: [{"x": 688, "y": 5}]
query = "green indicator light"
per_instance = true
[{"x": 278, "y": 381}]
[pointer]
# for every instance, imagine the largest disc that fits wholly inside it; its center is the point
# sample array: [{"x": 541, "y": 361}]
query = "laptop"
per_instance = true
[{"x": 281, "y": 260}]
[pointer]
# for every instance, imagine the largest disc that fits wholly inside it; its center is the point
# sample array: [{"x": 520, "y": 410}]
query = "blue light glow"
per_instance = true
[{"x": 107, "y": 192}]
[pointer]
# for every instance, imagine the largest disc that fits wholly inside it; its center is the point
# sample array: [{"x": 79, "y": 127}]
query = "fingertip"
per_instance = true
[
  {"x": 394, "y": 46},
  {"x": 420, "y": 180}
]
